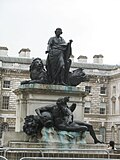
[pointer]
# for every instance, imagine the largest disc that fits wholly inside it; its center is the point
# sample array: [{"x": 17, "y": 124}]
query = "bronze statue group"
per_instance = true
[{"x": 57, "y": 72}]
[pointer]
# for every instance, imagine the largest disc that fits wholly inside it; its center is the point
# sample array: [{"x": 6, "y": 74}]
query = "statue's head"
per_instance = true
[
  {"x": 36, "y": 63},
  {"x": 66, "y": 99},
  {"x": 58, "y": 31},
  {"x": 60, "y": 101}
]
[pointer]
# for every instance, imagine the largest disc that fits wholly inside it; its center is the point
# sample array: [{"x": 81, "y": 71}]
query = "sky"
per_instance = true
[{"x": 93, "y": 25}]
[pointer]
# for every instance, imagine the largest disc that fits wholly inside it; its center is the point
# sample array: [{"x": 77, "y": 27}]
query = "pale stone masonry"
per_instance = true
[{"x": 102, "y": 104}]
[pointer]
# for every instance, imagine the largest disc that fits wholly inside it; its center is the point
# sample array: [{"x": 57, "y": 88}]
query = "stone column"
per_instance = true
[{"x": 21, "y": 112}]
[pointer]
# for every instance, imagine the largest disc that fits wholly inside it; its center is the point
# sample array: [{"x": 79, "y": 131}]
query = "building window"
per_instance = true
[
  {"x": 113, "y": 99},
  {"x": 88, "y": 89},
  {"x": 103, "y": 90},
  {"x": 114, "y": 90},
  {"x": 6, "y": 84},
  {"x": 113, "y": 133},
  {"x": 87, "y": 107},
  {"x": 103, "y": 108},
  {"x": 113, "y": 107},
  {"x": 5, "y": 102}
]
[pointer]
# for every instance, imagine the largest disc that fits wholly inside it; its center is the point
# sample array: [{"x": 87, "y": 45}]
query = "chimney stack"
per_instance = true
[
  {"x": 3, "y": 51},
  {"x": 98, "y": 59},
  {"x": 82, "y": 59},
  {"x": 24, "y": 53}
]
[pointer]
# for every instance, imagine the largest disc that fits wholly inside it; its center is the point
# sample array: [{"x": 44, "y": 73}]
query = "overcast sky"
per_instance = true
[{"x": 93, "y": 25}]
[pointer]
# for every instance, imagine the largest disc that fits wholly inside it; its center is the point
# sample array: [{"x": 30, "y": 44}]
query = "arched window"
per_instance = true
[
  {"x": 113, "y": 133},
  {"x": 113, "y": 99}
]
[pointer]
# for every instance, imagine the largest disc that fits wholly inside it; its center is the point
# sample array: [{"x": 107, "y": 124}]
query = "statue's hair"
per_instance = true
[
  {"x": 32, "y": 66},
  {"x": 58, "y": 29}
]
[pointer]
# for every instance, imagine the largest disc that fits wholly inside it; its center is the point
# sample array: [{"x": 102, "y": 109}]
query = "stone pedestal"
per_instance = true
[{"x": 32, "y": 96}]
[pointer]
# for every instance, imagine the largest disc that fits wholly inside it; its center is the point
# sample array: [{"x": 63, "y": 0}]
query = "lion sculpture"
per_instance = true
[{"x": 38, "y": 74}]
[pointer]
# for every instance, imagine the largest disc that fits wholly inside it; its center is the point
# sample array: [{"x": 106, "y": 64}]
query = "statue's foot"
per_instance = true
[
  {"x": 63, "y": 83},
  {"x": 97, "y": 141},
  {"x": 54, "y": 82}
]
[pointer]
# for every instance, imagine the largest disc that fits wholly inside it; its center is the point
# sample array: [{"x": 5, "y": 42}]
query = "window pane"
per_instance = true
[
  {"x": 113, "y": 107},
  {"x": 88, "y": 89},
  {"x": 102, "y": 110},
  {"x": 87, "y": 107},
  {"x": 114, "y": 90},
  {"x": 6, "y": 84},
  {"x": 5, "y": 102},
  {"x": 87, "y": 110},
  {"x": 102, "y": 90}
]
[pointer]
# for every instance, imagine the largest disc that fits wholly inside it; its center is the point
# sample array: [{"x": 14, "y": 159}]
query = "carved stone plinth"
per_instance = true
[{"x": 49, "y": 135}]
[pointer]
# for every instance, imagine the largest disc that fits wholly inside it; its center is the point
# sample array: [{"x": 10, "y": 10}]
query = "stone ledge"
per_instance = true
[{"x": 38, "y": 88}]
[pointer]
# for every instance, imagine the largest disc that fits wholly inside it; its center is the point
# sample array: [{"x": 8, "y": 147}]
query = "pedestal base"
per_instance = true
[{"x": 55, "y": 145}]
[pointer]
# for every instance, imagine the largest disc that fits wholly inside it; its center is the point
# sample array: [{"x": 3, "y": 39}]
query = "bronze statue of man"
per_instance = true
[
  {"x": 58, "y": 62},
  {"x": 62, "y": 118}
]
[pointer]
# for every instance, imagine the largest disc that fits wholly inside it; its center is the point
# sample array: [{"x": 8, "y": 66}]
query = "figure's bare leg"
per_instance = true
[
  {"x": 72, "y": 128},
  {"x": 91, "y": 130}
]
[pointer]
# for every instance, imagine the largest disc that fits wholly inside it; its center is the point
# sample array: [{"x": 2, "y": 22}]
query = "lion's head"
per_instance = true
[
  {"x": 77, "y": 76},
  {"x": 36, "y": 64},
  {"x": 37, "y": 71}
]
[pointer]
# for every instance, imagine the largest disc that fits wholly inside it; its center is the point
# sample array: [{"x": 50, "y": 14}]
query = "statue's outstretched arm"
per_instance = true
[{"x": 47, "y": 108}]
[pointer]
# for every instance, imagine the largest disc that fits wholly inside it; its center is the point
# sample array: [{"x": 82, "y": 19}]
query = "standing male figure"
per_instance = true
[{"x": 58, "y": 62}]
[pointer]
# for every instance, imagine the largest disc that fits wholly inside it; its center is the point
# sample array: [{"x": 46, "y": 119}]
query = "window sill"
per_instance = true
[
  {"x": 8, "y": 89},
  {"x": 102, "y": 94},
  {"x": 89, "y": 94}
]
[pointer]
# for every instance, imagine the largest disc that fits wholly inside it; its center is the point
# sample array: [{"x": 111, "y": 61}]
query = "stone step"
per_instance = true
[{"x": 13, "y": 144}]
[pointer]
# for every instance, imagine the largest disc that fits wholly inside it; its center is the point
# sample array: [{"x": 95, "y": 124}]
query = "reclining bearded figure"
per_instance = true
[{"x": 62, "y": 118}]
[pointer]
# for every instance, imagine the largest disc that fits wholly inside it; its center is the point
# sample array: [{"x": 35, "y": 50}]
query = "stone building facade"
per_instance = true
[{"x": 102, "y": 104}]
